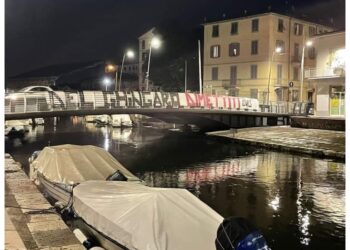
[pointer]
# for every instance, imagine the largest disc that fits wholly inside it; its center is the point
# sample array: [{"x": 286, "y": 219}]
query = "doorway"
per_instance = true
[{"x": 337, "y": 101}]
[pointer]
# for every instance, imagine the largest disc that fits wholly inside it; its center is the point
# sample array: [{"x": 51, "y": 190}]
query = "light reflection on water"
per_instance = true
[{"x": 296, "y": 201}]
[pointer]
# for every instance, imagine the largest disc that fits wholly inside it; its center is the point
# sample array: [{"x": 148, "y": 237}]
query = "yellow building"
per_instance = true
[{"x": 240, "y": 56}]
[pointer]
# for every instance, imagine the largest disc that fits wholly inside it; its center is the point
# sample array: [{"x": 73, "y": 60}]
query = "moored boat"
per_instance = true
[
  {"x": 129, "y": 215},
  {"x": 59, "y": 168},
  {"x": 121, "y": 120}
]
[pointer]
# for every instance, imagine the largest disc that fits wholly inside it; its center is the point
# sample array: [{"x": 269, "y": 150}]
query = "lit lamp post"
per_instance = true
[
  {"x": 110, "y": 69},
  {"x": 155, "y": 43},
  {"x": 277, "y": 50},
  {"x": 106, "y": 82},
  {"x": 307, "y": 44},
  {"x": 128, "y": 54}
]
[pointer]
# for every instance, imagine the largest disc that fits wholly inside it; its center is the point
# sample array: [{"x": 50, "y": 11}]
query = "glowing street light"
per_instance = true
[
  {"x": 155, "y": 43},
  {"x": 129, "y": 54},
  {"x": 277, "y": 50},
  {"x": 106, "y": 81}
]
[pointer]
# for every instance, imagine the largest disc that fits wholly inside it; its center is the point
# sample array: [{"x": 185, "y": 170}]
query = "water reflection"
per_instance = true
[
  {"x": 297, "y": 202},
  {"x": 302, "y": 194}
]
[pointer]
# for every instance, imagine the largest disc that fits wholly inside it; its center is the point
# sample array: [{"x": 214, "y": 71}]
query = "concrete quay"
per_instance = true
[
  {"x": 316, "y": 142},
  {"x": 30, "y": 221}
]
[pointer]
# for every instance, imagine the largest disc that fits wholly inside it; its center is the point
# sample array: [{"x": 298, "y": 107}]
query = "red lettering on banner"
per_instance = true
[
  {"x": 229, "y": 103},
  {"x": 208, "y": 102},
  {"x": 234, "y": 102},
  {"x": 200, "y": 98},
  {"x": 190, "y": 101}
]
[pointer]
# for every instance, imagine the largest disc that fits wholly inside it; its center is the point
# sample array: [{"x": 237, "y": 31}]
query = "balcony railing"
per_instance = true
[{"x": 326, "y": 72}]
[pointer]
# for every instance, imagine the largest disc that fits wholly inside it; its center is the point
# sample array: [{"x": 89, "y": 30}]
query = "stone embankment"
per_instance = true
[
  {"x": 316, "y": 142},
  {"x": 30, "y": 220}
]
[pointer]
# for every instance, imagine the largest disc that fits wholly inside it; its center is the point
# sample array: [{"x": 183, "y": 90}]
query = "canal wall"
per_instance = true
[
  {"x": 328, "y": 123},
  {"x": 316, "y": 142},
  {"x": 30, "y": 220}
]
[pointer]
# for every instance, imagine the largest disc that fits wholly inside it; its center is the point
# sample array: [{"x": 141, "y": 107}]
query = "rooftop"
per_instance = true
[{"x": 304, "y": 19}]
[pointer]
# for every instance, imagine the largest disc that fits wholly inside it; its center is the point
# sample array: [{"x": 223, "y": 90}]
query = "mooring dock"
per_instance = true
[{"x": 30, "y": 220}]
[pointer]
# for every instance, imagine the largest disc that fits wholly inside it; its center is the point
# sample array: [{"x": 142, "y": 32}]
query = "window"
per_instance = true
[
  {"x": 312, "y": 31},
  {"x": 280, "y": 44},
  {"x": 215, "y": 31},
  {"x": 143, "y": 44},
  {"x": 279, "y": 73},
  {"x": 233, "y": 49},
  {"x": 144, "y": 56},
  {"x": 312, "y": 53},
  {"x": 254, "y": 93},
  {"x": 296, "y": 52},
  {"x": 233, "y": 75},
  {"x": 295, "y": 95},
  {"x": 214, "y": 73},
  {"x": 215, "y": 51},
  {"x": 234, "y": 28},
  {"x": 234, "y": 92},
  {"x": 253, "y": 71},
  {"x": 255, "y": 25},
  {"x": 298, "y": 29},
  {"x": 254, "y": 47},
  {"x": 280, "y": 25},
  {"x": 279, "y": 94},
  {"x": 296, "y": 73}
]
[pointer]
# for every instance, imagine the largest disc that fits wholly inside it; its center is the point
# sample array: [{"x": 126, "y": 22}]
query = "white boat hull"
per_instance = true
[{"x": 55, "y": 191}]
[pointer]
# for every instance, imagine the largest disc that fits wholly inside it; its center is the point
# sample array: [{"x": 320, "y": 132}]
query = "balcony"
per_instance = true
[{"x": 326, "y": 72}]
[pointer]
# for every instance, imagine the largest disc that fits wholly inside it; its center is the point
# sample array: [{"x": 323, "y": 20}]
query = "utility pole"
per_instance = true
[
  {"x": 185, "y": 75},
  {"x": 200, "y": 67}
]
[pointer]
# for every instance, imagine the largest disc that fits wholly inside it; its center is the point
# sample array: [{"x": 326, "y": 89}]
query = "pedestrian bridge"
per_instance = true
[{"x": 208, "y": 112}]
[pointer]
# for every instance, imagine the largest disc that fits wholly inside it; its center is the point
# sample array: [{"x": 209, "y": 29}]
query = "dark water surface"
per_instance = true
[{"x": 297, "y": 202}]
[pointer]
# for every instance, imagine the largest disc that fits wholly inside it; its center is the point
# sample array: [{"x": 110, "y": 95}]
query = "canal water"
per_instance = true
[{"x": 297, "y": 202}]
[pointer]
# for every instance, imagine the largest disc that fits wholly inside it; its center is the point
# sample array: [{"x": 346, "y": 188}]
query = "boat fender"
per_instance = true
[{"x": 87, "y": 243}]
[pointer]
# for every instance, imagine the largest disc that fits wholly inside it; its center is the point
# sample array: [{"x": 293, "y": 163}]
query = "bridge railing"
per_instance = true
[
  {"x": 293, "y": 108},
  {"x": 46, "y": 101}
]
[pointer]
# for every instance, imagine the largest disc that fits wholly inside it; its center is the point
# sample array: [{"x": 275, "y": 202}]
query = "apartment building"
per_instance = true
[
  {"x": 240, "y": 56},
  {"x": 326, "y": 81}
]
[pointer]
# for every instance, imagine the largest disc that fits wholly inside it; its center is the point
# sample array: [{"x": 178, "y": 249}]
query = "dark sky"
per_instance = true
[{"x": 44, "y": 32}]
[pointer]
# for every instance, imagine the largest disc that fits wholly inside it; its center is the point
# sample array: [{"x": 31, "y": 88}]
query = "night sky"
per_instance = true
[{"x": 45, "y": 32}]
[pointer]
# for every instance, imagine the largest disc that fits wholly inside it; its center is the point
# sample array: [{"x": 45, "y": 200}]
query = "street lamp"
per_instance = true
[
  {"x": 307, "y": 44},
  {"x": 155, "y": 43},
  {"x": 277, "y": 50},
  {"x": 129, "y": 54},
  {"x": 106, "y": 81}
]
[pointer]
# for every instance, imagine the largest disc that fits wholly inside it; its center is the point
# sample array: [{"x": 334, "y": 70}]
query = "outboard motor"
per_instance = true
[{"x": 239, "y": 234}]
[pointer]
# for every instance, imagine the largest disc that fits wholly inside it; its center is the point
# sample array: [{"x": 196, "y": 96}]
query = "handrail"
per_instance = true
[{"x": 44, "y": 101}]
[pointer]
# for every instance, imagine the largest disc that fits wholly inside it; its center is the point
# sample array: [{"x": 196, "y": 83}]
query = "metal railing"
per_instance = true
[
  {"x": 292, "y": 108},
  {"x": 324, "y": 72},
  {"x": 33, "y": 102}
]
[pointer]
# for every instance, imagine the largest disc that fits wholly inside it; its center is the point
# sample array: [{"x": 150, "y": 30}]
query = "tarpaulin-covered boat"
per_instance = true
[
  {"x": 60, "y": 168},
  {"x": 129, "y": 215}
]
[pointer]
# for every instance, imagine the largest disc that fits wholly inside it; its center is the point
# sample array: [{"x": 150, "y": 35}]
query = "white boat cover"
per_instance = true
[
  {"x": 141, "y": 217},
  {"x": 71, "y": 164}
]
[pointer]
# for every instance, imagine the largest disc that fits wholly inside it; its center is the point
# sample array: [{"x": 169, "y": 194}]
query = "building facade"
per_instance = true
[
  {"x": 240, "y": 56},
  {"x": 327, "y": 78},
  {"x": 144, "y": 49}
]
